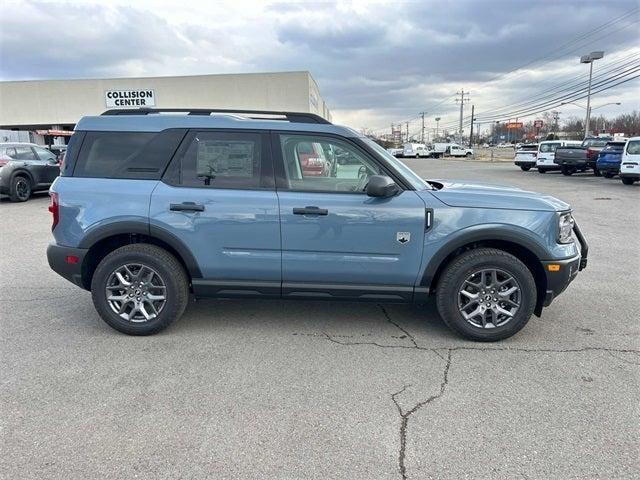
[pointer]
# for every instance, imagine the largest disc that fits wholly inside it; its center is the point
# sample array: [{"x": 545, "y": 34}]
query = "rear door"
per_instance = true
[
  {"x": 336, "y": 240},
  {"x": 218, "y": 198}
]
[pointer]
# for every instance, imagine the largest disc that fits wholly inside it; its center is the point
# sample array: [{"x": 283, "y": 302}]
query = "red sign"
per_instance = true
[{"x": 538, "y": 124}]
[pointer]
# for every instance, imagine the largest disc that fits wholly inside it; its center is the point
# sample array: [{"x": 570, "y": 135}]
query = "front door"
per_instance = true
[
  {"x": 336, "y": 240},
  {"x": 218, "y": 198}
]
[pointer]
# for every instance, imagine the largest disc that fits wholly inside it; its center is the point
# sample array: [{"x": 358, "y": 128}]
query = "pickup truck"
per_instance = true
[{"x": 572, "y": 159}]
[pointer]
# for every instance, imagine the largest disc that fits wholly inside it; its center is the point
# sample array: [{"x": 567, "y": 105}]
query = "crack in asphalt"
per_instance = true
[{"x": 404, "y": 416}]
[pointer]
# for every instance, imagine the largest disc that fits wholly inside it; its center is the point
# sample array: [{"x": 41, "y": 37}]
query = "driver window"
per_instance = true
[{"x": 314, "y": 163}]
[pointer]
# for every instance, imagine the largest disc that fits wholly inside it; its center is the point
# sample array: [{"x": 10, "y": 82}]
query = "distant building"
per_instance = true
[{"x": 49, "y": 109}]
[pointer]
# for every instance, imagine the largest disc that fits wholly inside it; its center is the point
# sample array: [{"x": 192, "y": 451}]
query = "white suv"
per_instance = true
[{"x": 630, "y": 165}]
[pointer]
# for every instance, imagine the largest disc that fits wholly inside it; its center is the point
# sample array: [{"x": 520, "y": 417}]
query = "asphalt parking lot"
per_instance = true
[{"x": 314, "y": 390}]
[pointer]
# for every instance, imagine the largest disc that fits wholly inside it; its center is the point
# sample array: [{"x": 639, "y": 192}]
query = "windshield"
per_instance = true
[
  {"x": 549, "y": 147},
  {"x": 528, "y": 148},
  {"x": 595, "y": 142},
  {"x": 617, "y": 147},
  {"x": 408, "y": 174},
  {"x": 634, "y": 148}
]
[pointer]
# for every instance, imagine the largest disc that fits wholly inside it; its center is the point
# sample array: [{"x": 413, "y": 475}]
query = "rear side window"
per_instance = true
[
  {"x": 132, "y": 155},
  {"x": 223, "y": 160},
  {"x": 24, "y": 153}
]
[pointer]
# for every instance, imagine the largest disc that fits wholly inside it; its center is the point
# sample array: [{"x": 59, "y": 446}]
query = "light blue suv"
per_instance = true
[{"x": 153, "y": 206}]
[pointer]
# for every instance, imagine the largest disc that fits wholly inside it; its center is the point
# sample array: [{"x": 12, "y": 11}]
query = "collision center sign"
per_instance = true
[{"x": 130, "y": 98}]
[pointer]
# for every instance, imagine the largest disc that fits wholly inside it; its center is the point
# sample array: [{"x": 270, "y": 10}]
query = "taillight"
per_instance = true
[
  {"x": 54, "y": 208},
  {"x": 591, "y": 153}
]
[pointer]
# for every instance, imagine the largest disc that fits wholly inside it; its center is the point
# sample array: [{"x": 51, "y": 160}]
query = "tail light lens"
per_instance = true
[
  {"x": 591, "y": 153},
  {"x": 54, "y": 208}
]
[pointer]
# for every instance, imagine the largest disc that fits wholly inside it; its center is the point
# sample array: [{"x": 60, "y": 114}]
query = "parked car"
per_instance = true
[
  {"x": 416, "y": 150},
  {"x": 26, "y": 168},
  {"x": 580, "y": 158},
  {"x": 609, "y": 159},
  {"x": 151, "y": 208},
  {"x": 547, "y": 154},
  {"x": 313, "y": 160},
  {"x": 630, "y": 164},
  {"x": 525, "y": 157}
]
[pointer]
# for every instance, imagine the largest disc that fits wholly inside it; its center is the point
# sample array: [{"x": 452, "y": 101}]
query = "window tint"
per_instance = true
[
  {"x": 528, "y": 148},
  {"x": 314, "y": 163},
  {"x": 634, "y": 148},
  {"x": 222, "y": 160},
  {"x": 24, "y": 153},
  {"x": 108, "y": 154}
]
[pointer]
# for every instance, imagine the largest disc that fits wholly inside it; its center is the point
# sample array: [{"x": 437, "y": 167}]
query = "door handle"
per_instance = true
[
  {"x": 186, "y": 207},
  {"x": 310, "y": 211}
]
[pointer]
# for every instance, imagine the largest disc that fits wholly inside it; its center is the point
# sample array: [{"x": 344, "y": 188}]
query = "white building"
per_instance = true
[{"x": 52, "y": 107}]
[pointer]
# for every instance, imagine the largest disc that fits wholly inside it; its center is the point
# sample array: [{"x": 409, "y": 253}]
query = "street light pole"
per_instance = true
[{"x": 590, "y": 59}]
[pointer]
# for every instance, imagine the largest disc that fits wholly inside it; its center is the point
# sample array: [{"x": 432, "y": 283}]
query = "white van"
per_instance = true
[
  {"x": 547, "y": 153},
  {"x": 416, "y": 150},
  {"x": 630, "y": 164}
]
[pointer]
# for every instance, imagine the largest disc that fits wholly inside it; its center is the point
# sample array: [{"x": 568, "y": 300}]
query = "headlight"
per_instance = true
[{"x": 565, "y": 227}]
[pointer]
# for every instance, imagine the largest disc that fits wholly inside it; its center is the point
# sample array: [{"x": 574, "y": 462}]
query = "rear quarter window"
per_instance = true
[{"x": 129, "y": 155}]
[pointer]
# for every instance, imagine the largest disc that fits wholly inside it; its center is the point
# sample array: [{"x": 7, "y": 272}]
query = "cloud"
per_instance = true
[{"x": 375, "y": 62}]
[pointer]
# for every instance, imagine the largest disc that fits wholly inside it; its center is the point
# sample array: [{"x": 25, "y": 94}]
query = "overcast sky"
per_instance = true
[{"x": 375, "y": 63}]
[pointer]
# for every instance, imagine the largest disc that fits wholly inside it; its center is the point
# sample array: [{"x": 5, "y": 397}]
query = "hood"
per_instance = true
[{"x": 465, "y": 194}]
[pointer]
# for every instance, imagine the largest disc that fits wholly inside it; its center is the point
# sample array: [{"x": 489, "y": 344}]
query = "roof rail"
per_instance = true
[{"x": 294, "y": 117}]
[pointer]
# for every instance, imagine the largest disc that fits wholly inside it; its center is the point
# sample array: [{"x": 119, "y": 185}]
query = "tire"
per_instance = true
[
  {"x": 597, "y": 172},
  {"x": 627, "y": 181},
  {"x": 525, "y": 168},
  {"x": 20, "y": 190},
  {"x": 467, "y": 155},
  {"x": 566, "y": 170},
  {"x": 462, "y": 268},
  {"x": 541, "y": 170},
  {"x": 417, "y": 155},
  {"x": 608, "y": 175},
  {"x": 170, "y": 273}
]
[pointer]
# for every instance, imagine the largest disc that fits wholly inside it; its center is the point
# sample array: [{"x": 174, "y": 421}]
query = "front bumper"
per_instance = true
[
  {"x": 67, "y": 262},
  {"x": 560, "y": 273}
]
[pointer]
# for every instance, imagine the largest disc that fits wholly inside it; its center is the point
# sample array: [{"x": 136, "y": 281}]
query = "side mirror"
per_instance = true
[{"x": 382, "y": 186}]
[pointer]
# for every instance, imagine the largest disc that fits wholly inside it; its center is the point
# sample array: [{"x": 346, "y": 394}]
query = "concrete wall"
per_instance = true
[{"x": 63, "y": 102}]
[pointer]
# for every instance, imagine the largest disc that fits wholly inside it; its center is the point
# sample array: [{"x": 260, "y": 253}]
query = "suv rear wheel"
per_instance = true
[
  {"x": 140, "y": 289},
  {"x": 486, "y": 295},
  {"x": 20, "y": 189}
]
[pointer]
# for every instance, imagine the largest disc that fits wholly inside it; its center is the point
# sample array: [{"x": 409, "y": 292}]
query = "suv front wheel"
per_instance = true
[
  {"x": 486, "y": 295},
  {"x": 139, "y": 289}
]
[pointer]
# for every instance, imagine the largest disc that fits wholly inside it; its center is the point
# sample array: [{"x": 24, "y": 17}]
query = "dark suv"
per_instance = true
[
  {"x": 151, "y": 208},
  {"x": 26, "y": 168}
]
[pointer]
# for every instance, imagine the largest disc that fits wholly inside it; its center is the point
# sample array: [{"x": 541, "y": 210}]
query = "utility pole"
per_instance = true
[
  {"x": 556, "y": 117},
  {"x": 464, "y": 97},
  {"x": 472, "y": 119},
  {"x": 407, "y": 123},
  {"x": 437, "y": 125},
  {"x": 422, "y": 134}
]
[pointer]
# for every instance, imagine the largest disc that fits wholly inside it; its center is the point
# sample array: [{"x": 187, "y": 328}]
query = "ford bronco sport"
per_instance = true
[{"x": 151, "y": 208}]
